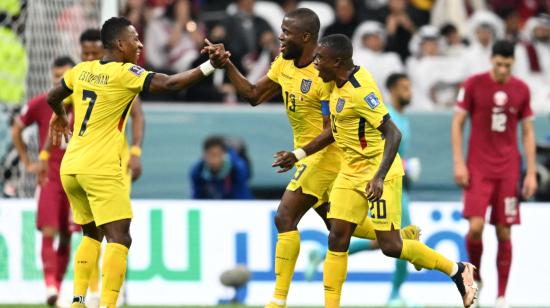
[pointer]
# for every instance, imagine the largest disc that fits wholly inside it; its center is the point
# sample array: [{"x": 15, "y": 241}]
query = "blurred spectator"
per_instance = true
[
  {"x": 484, "y": 28},
  {"x": 450, "y": 12},
  {"x": 221, "y": 173},
  {"x": 524, "y": 8},
  {"x": 73, "y": 20},
  {"x": 453, "y": 45},
  {"x": 242, "y": 33},
  {"x": 259, "y": 66},
  {"x": 434, "y": 77},
  {"x": 369, "y": 42},
  {"x": 512, "y": 24},
  {"x": 399, "y": 26},
  {"x": 172, "y": 42},
  {"x": 134, "y": 11},
  {"x": 346, "y": 19},
  {"x": 533, "y": 61}
]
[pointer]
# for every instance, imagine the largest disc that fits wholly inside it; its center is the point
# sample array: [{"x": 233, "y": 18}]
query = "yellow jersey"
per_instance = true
[
  {"x": 103, "y": 93},
  {"x": 303, "y": 93},
  {"x": 357, "y": 110}
]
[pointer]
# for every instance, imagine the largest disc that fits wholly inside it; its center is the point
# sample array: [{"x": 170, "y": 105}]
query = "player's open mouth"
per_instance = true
[{"x": 282, "y": 48}]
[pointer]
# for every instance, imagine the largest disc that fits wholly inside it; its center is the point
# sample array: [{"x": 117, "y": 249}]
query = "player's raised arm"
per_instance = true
[
  {"x": 286, "y": 160},
  {"x": 255, "y": 94},
  {"x": 180, "y": 81}
]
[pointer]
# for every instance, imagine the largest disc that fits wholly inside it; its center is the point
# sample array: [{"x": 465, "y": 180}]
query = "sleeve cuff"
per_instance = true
[
  {"x": 147, "y": 83},
  {"x": 459, "y": 108},
  {"x": 325, "y": 110},
  {"x": 385, "y": 119},
  {"x": 64, "y": 85},
  {"x": 528, "y": 118}
]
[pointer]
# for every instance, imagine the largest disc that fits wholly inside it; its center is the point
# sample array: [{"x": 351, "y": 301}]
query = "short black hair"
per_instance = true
[
  {"x": 339, "y": 44},
  {"x": 394, "y": 78},
  {"x": 111, "y": 29},
  {"x": 214, "y": 141},
  {"x": 503, "y": 48},
  {"x": 447, "y": 29},
  {"x": 63, "y": 61},
  {"x": 90, "y": 35},
  {"x": 308, "y": 21}
]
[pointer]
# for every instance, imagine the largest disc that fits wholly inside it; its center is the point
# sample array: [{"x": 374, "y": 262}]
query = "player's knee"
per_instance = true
[
  {"x": 391, "y": 248},
  {"x": 120, "y": 238},
  {"x": 284, "y": 222},
  {"x": 338, "y": 240},
  {"x": 504, "y": 233},
  {"x": 475, "y": 233}
]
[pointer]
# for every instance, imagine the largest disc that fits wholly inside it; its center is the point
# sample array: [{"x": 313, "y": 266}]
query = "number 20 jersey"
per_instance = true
[
  {"x": 495, "y": 109},
  {"x": 102, "y": 94}
]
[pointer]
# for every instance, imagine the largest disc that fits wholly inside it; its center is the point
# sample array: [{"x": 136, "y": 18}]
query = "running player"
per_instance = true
[
  {"x": 371, "y": 173},
  {"x": 53, "y": 213},
  {"x": 91, "y": 170},
  {"x": 496, "y": 103}
]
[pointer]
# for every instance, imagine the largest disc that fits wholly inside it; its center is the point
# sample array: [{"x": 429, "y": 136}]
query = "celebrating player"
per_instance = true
[
  {"x": 91, "y": 170},
  {"x": 294, "y": 75},
  {"x": 370, "y": 176},
  {"x": 496, "y": 103},
  {"x": 53, "y": 213},
  {"x": 399, "y": 87}
]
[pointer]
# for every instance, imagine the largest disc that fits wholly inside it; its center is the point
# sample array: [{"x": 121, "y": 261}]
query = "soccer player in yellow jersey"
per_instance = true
[
  {"x": 294, "y": 75},
  {"x": 371, "y": 173},
  {"x": 91, "y": 170}
]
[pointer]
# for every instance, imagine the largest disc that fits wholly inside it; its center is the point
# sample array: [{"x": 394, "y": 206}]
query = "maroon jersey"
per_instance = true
[
  {"x": 38, "y": 112},
  {"x": 495, "y": 110}
]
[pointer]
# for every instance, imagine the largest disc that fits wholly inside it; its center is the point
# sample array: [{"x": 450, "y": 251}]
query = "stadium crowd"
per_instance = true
[{"x": 438, "y": 43}]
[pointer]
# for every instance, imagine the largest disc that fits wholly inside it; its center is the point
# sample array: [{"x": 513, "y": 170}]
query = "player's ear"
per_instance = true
[
  {"x": 337, "y": 62},
  {"x": 306, "y": 37}
]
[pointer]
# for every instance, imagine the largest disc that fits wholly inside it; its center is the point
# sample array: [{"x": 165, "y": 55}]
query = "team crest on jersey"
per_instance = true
[
  {"x": 500, "y": 98},
  {"x": 137, "y": 70},
  {"x": 340, "y": 105},
  {"x": 306, "y": 85},
  {"x": 372, "y": 100}
]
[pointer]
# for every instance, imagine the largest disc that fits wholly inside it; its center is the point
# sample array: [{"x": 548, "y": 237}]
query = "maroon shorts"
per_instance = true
[
  {"x": 501, "y": 194},
  {"x": 54, "y": 209}
]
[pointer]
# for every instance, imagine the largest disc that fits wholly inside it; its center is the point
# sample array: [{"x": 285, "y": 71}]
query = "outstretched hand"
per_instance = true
[
  {"x": 217, "y": 53},
  {"x": 284, "y": 160}
]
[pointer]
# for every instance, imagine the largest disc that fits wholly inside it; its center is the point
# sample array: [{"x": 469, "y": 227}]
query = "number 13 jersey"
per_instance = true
[
  {"x": 103, "y": 93},
  {"x": 495, "y": 109}
]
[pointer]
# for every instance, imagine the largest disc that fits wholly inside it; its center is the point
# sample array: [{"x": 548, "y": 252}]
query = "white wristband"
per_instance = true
[
  {"x": 207, "y": 68},
  {"x": 299, "y": 153}
]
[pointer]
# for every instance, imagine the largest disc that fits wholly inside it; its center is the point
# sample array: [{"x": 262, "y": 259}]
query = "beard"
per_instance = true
[{"x": 403, "y": 101}]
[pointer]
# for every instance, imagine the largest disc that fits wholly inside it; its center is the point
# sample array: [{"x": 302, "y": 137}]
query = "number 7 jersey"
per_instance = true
[{"x": 102, "y": 94}]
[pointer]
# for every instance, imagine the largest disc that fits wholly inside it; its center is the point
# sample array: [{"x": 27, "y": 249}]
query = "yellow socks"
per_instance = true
[
  {"x": 94, "y": 278},
  {"x": 85, "y": 259},
  {"x": 113, "y": 272},
  {"x": 423, "y": 256},
  {"x": 334, "y": 275},
  {"x": 286, "y": 254}
]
